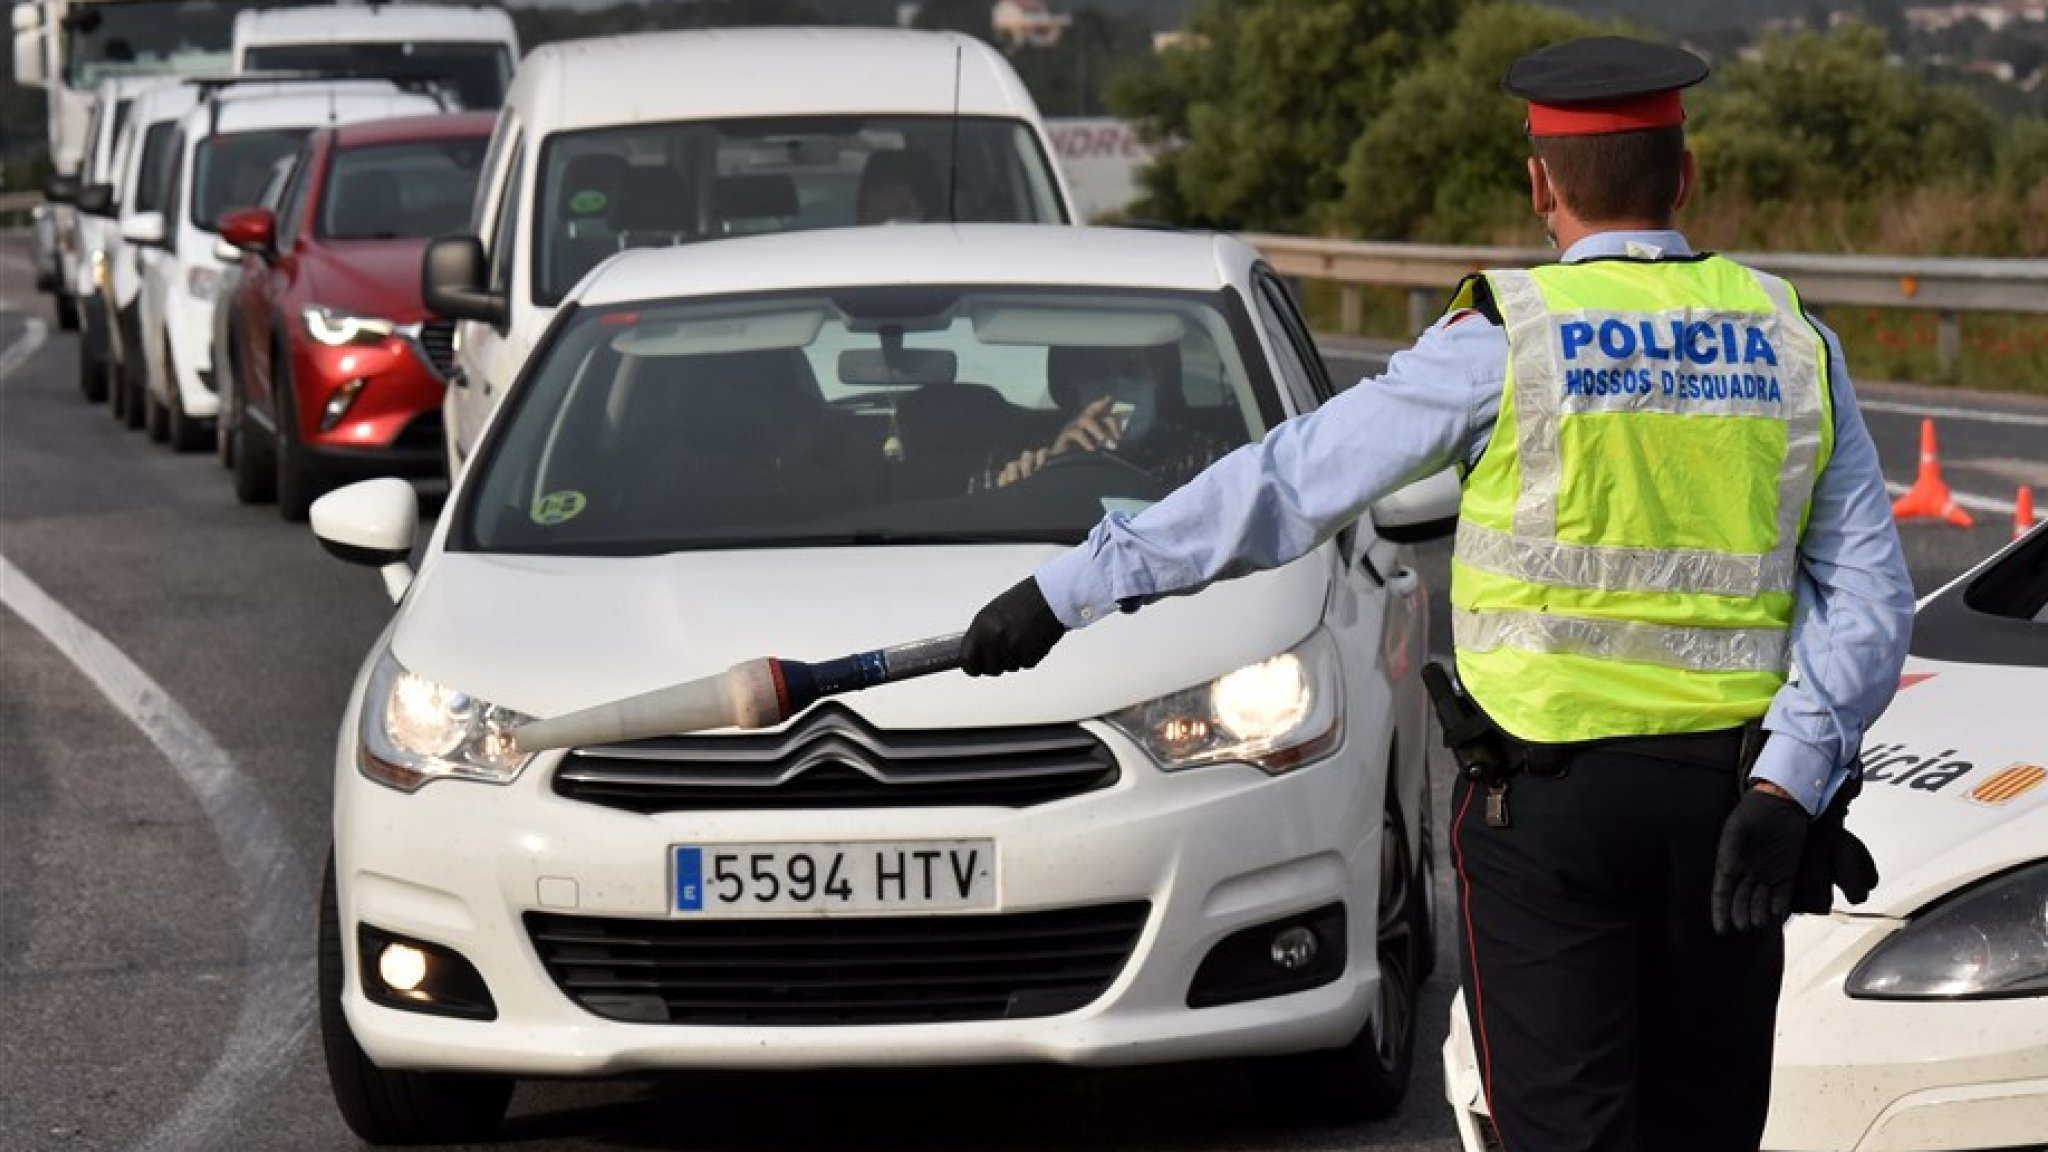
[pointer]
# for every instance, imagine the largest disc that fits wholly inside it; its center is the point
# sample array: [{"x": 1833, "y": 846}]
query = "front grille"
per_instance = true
[
  {"x": 818, "y": 973},
  {"x": 830, "y": 759},
  {"x": 437, "y": 340}
]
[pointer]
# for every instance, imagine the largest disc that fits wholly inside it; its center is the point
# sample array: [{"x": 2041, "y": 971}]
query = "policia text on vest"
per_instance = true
[{"x": 1622, "y": 357}]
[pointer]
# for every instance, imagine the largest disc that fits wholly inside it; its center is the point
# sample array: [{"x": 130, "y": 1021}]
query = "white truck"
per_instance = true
[{"x": 470, "y": 51}]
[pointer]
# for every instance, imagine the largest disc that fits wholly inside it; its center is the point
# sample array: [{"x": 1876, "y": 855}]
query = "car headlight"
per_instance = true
[
  {"x": 201, "y": 282},
  {"x": 1277, "y": 714},
  {"x": 335, "y": 329},
  {"x": 1988, "y": 942},
  {"x": 414, "y": 731}
]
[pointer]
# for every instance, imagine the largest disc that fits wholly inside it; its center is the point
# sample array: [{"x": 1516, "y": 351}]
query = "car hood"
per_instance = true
[
  {"x": 378, "y": 278},
  {"x": 545, "y": 635},
  {"x": 1954, "y": 785}
]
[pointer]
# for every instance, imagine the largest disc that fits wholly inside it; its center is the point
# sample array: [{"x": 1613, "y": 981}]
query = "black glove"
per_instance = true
[
  {"x": 1760, "y": 849},
  {"x": 1013, "y": 631},
  {"x": 1834, "y": 857}
]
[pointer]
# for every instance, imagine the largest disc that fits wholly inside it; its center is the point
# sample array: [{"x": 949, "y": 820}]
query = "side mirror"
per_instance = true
[
  {"x": 145, "y": 229},
  {"x": 96, "y": 200},
  {"x": 372, "y": 522},
  {"x": 226, "y": 253},
  {"x": 61, "y": 189},
  {"x": 1424, "y": 510},
  {"x": 251, "y": 230},
  {"x": 454, "y": 282}
]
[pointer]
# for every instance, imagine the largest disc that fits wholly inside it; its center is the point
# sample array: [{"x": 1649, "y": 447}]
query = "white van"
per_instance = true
[
  {"x": 142, "y": 163},
  {"x": 472, "y": 51},
  {"x": 668, "y": 138},
  {"x": 97, "y": 205},
  {"x": 222, "y": 156}
]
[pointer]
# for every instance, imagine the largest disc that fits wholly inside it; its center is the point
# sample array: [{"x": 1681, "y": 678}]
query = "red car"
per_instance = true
[{"x": 334, "y": 370}]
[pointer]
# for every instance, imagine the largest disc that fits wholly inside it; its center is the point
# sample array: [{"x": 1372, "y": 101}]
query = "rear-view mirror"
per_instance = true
[
  {"x": 61, "y": 189},
  {"x": 250, "y": 229},
  {"x": 144, "y": 228},
  {"x": 372, "y": 522},
  {"x": 96, "y": 200},
  {"x": 1424, "y": 510},
  {"x": 898, "y": 368},
  {"x": 453, "y": 281}
]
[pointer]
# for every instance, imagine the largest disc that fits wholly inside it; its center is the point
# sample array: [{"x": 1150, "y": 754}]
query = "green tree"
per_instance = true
[
  {"x": 1443, "y": 160},
  {"x": 1262, "y": 104},
  {"x": 1830, "y": 115}
]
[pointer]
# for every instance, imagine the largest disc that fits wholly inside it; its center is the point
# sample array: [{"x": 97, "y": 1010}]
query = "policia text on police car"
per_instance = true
[{"x": 1670, "y": 503}]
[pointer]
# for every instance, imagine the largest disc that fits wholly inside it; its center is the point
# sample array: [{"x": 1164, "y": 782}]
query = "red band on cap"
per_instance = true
[{"x": 1598, "y": 117}]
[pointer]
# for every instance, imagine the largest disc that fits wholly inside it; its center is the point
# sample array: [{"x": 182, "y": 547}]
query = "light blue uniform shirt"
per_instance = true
[{"x": 1271, "y": 502}]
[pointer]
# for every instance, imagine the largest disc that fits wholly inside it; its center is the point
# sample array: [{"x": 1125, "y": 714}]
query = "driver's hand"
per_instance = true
[
  {"x": 1024, "y": 465},
  {"x": 1095, "y": 428}
]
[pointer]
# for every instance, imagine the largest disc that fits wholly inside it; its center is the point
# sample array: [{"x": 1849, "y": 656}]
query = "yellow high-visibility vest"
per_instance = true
[{"x": 1626, "y": 548}]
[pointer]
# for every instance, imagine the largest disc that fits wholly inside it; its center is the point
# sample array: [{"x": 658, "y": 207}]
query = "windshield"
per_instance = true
[
  {"x": 230, "y": 170},
  {"x": 147, "y": 37},
  {"x": 864, "y": 416},
  {"x": 653, "y": 185},
  {"x": 389, "y": 191},
  {"x": 477, "y": 74}
]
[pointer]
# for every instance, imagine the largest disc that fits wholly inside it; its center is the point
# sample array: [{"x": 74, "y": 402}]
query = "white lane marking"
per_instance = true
[
  {"x": 277, "y": 977},
  {"x": 18, "y": 352},
  {"x": 1968, "y": 500},
  {"x": 1981, "y": 415}
]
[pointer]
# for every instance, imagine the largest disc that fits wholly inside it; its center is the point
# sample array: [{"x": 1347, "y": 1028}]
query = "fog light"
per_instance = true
[
  {"x": 403, "y": 967},
  {"x": 338, "y": 404},
  {"x": 1293, "y": 948},
  {"x": 1276, "y": 958},
  {"x": 416, "y": 975}
]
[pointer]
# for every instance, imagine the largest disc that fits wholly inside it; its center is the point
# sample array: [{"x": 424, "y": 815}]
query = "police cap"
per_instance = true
[{"x": 1602, "y": 84}]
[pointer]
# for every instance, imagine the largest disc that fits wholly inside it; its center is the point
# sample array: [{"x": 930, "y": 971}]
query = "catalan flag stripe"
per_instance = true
[{"x": 2008, "y": 783}]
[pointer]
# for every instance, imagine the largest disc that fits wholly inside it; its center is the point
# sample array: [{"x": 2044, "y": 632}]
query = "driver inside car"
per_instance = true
[{"x": 1126, "y": 401}]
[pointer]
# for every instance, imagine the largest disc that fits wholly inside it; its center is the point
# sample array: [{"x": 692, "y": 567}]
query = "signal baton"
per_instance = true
[{"x": 758, "y": 693}]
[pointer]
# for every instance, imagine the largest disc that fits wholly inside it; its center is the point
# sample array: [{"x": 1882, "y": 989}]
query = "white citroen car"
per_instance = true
[
  {"x": 1917, "y": 1021},
  {"x": 1198, "y": 831}
]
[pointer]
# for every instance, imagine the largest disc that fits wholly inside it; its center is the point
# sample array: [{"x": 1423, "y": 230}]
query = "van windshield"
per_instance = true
[
  {"x": 151, "y": 37},
  {"x": 477, "y": 73},
  {"x": 863, "y": 416},
  {"x": 654, "y": 185}
]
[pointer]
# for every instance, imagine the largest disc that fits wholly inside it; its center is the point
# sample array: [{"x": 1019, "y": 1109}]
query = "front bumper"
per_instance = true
[
  {"x": 1863, "y": 1075},
  {"x": 391, "y": 417},
  {"x": 1213, "y": 851},
  {"x": 1898, "y": 1076}
]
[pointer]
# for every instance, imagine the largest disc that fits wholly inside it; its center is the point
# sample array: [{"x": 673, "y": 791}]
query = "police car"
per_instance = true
[
  {"x": 1193, "y": 832},
  {"x": 1917, "y": 1021}
]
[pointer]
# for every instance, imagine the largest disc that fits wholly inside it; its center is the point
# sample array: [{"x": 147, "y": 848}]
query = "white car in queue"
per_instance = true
[
  {"x": 1917, "y": 1021},
  {"x": 666, "y": 138},
  {"x": 221, "y": 156},
  {"x": 1198, "y": 831}
]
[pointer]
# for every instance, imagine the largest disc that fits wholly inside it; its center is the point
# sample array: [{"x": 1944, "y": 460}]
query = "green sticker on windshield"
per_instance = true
[
  {"x": 558, "y": 507},
  {"x": 587, "y": 202}
]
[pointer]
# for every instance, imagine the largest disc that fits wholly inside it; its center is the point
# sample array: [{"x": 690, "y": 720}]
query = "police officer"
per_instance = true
[{"x": 1670, "y": 501}]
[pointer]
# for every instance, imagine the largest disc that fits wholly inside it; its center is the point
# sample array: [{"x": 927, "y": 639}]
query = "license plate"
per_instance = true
[{"x": 833, "y": 879}]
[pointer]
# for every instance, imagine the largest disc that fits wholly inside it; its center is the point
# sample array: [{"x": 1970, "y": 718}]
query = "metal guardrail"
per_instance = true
[
  {"x": 1945, "y": 286},
  {"x": 19, "y": 201}
]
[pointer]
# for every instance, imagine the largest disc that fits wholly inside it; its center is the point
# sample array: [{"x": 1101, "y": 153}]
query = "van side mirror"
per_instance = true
[
  {"x": 96, "y": 199},
  {"x": 144, "y": 228},
  {"x": 61, "y": 189},
  {"x": 454, "y": 279},
  {"x": 1424, "y": 510},
  {"x": 251, "y": 230}
]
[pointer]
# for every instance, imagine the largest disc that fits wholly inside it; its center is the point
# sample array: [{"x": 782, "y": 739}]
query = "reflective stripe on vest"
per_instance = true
[{"x": 1594, "y": 594}]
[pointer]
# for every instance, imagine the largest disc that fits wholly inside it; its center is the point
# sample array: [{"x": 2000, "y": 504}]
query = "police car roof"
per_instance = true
[
  {"x": 715, "y": 74},
  {"x": 1034, "y": 254}
]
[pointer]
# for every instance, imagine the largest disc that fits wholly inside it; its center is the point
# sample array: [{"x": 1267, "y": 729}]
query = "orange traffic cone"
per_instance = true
[
  {"x": 1930, "y": 498},
  {"x": 2022, "y": 512}
]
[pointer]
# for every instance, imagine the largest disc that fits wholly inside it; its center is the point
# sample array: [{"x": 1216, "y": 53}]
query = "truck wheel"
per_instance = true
[{"x": 67, "y": 311}]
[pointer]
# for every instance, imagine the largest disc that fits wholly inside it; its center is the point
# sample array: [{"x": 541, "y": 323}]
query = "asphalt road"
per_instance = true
[{"x": 164, "y": 769}]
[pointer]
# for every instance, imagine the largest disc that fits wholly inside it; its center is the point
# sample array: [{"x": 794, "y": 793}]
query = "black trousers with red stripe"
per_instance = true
[{"x": 1606, "y": 1013}]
